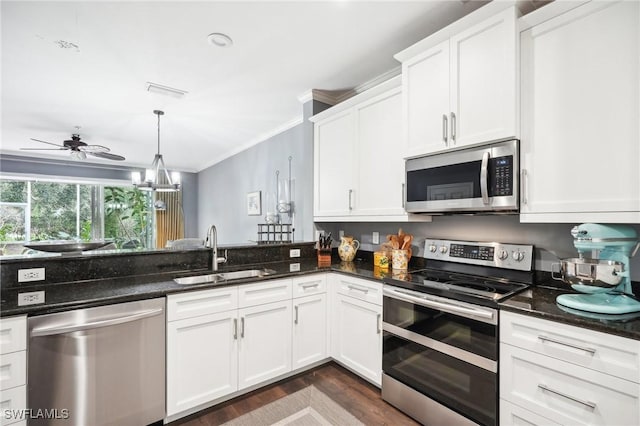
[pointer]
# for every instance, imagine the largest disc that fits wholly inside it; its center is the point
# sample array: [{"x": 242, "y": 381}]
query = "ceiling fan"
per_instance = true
[{"x": 79, "y": 149}]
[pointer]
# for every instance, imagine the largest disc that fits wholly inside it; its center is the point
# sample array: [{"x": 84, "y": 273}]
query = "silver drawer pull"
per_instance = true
[
  {"x": 306, "y": 286},
  {"x": 589, "y": 404},
  {"x": 235, "y": 328},
  {"x": 352, "y": 287},
  {"x": 295, "y": 321},
  {"x": 571, "y": 345},
  {"x": 378, "y": 318}
]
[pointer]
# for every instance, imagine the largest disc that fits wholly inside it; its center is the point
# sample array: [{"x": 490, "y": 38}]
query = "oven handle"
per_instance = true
[
  {"x": 484, "y": 178},
  {"x": 448, "y": 307}
]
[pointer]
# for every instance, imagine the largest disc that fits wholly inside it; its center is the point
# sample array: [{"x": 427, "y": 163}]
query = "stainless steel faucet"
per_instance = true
[{"x": 212, "y": 243}]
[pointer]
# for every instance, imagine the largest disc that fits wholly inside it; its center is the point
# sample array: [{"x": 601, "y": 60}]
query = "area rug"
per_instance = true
[{"x": 307, "y": 407}]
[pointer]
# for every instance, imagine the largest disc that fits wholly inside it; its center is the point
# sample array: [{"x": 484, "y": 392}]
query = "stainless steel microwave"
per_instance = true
[{"x": 476, "y": 179}]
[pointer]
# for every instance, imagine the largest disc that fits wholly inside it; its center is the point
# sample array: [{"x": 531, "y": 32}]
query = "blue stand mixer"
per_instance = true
[{"x": 601, "y": 270}]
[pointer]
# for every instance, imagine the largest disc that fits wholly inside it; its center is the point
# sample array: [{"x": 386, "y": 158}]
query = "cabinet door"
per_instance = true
[
  {"x": 265, "y": 342},
  {"x": 513, "y": 415},
  {"x": 202, "y": 360},
  {"x": 379, "y": 170},
  {"x": 333, "y": 163},
  {"x": 309, "y": 330},
  {"x": 580, "y": 109},
  {"x": 426, "y": 101},
  {"x": 359, "y": 337},
  {"x": 483, "y": 81}
]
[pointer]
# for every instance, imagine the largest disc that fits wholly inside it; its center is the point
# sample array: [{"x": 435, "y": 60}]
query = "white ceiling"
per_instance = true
[{"x": 237, "y": 96}]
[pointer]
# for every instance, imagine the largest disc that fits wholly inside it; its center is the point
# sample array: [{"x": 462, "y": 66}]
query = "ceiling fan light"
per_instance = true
[{"x": 78, "y": 155}]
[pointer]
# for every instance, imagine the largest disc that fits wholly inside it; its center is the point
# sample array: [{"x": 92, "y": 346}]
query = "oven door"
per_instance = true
[
  {"x": 483, "y": 178},
  {"x": 444, "y": 349}
]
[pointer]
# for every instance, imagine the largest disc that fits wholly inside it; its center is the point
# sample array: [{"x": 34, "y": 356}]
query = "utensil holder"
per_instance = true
[
  {"x": 324, "y": 257},
  {"x": 400, "y": 259}
]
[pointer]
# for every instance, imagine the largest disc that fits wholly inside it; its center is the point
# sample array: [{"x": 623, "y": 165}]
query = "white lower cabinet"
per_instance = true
[
  {"x": 356, "y": 328},
  {"x": 265, "y": 342},
  {"x": 13, "y": 369},
  {"x": 202, "y": 360},
  {"x": 309, "y": 330},
  {"x": 551, "y": 373}
]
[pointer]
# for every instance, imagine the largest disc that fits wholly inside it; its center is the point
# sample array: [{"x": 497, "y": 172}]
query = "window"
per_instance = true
[{"x": 38, "y": 211}]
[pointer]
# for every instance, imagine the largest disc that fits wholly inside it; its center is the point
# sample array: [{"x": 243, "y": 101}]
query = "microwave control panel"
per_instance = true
[{"x": 501, "y": 176}]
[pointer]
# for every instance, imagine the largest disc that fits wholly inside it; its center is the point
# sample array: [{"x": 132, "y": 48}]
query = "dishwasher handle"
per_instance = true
[{"x": 49, "y": 331}]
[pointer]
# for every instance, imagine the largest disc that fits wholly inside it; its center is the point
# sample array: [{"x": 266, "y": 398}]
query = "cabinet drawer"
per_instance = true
[
  {"x": 565, "y": 392},
  {"x": 13, "y": 334},
  {"x": 602, "y": 352},
  {"x": 13, "y": 369},
  {"x": 264, "y": 292},
  {"x": 513, "y": 415},
  {"x": 11, "y": 401},
  {"x": 309, "y": 284},
  {"x": 368, "y": 291},
  {"x": 196, "y": 303}
]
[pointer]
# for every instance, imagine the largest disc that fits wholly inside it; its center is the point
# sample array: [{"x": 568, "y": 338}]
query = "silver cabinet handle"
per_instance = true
[
  {"x": 453, "y": 127},
  {"x": 525, "y": 189},
  {"x": 353, "y": 287},
  {"x": 404, "y": 196},
  {"x": 306, "y": 286},
  {"x": 445, "y": 125},
  {"x": 484, "y": 178},
  {"x": 242, "y": 327},
  {"x": 589, "y": 404},
  {"x": 571, "y": 345},
  {"x": 295, "y": 321},
  {"x": 235, "y": 328},
  {"x": 350, "y": 192},
  {"x": 378, "y": 318},
  {"x": 49, "y": 331}
]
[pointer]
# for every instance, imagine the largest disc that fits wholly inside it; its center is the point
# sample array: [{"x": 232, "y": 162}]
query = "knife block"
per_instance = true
[{"x": 324, "y": 257}]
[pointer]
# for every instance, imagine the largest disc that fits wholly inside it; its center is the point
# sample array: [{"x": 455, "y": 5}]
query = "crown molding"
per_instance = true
[
  {"x": 370, "y": 83},
  {"x": 261, "y": 138}
]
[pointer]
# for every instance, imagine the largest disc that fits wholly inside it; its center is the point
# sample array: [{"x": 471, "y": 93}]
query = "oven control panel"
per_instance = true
[{"x": 497, "y": 255}]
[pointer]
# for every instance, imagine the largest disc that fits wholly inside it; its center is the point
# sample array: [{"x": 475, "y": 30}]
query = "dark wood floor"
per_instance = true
[{"x": 354, "y": 394}]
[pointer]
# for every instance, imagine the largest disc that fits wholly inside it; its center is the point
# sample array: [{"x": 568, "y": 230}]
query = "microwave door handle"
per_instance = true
[{"x": 484, "y": 178}]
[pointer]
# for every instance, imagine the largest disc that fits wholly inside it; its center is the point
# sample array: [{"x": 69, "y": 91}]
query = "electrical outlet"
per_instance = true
[
  {"x": 31, "y": 298},
  {"x": 375, "y": 239},
  {"x": 294, "y": 253},
  {"x": 341, "y": 233},
  {"x": 318, "y": 233},
  {"x": 33, "y": 274},
  {"x": 294, "y": 267}
]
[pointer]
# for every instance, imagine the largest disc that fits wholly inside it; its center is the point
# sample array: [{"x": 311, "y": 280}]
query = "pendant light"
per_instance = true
[{"x": 152, "y": 176}]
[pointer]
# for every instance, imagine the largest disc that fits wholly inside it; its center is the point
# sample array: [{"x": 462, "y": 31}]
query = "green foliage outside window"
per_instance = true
[{"x": 127, "y": 217}]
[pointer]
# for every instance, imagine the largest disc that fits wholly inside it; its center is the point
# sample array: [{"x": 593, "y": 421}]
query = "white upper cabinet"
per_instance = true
[
  {"x": 359, "y": 170},
  {"x": 333, "y": 157},
  {"x": 580, "y": 145},
  {"x": 460, "y": 85}
]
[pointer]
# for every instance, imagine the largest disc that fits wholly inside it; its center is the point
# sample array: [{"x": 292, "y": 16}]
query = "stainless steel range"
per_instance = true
[{"x": 440, "y": 330}]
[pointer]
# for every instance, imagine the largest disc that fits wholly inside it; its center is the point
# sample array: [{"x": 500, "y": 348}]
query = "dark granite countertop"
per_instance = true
[
  {"x": 83, "y": 294},
  {"x": 540, "y": 301}
]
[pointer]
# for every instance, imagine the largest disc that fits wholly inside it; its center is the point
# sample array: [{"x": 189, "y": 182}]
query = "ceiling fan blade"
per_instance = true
[
  {"x": 107, "y": 156},
  {"x": 50, "y": 143},
  {"x": 94, "y": 148},
  {"x": 43, "y": 149}
]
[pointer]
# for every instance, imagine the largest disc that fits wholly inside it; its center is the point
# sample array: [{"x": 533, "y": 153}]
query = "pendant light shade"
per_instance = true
[{"x": 157, "y": 177}]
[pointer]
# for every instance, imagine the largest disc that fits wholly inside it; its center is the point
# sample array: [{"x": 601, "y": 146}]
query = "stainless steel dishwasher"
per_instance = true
[{"x": 98, "y": 366}]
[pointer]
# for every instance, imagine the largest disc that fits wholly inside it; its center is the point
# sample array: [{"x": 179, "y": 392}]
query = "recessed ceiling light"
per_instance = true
[{"x": 219, "y": 39}]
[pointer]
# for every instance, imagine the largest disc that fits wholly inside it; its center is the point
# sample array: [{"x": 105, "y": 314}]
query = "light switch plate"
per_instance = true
[
  {"x": 375, "y": 239},
  {"x": 32, "y": 274},
  {"x": 341, "y": 233},
  {"x": 294, "y": 253},
  {"x": 31, "y": 298}
]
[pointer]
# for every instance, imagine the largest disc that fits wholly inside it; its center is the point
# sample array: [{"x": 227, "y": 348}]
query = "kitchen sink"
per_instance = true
[{"x": 224, "y": 276}]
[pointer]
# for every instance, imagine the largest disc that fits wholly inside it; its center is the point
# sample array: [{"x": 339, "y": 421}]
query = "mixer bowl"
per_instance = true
[{"x": 591, "y": 272}]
